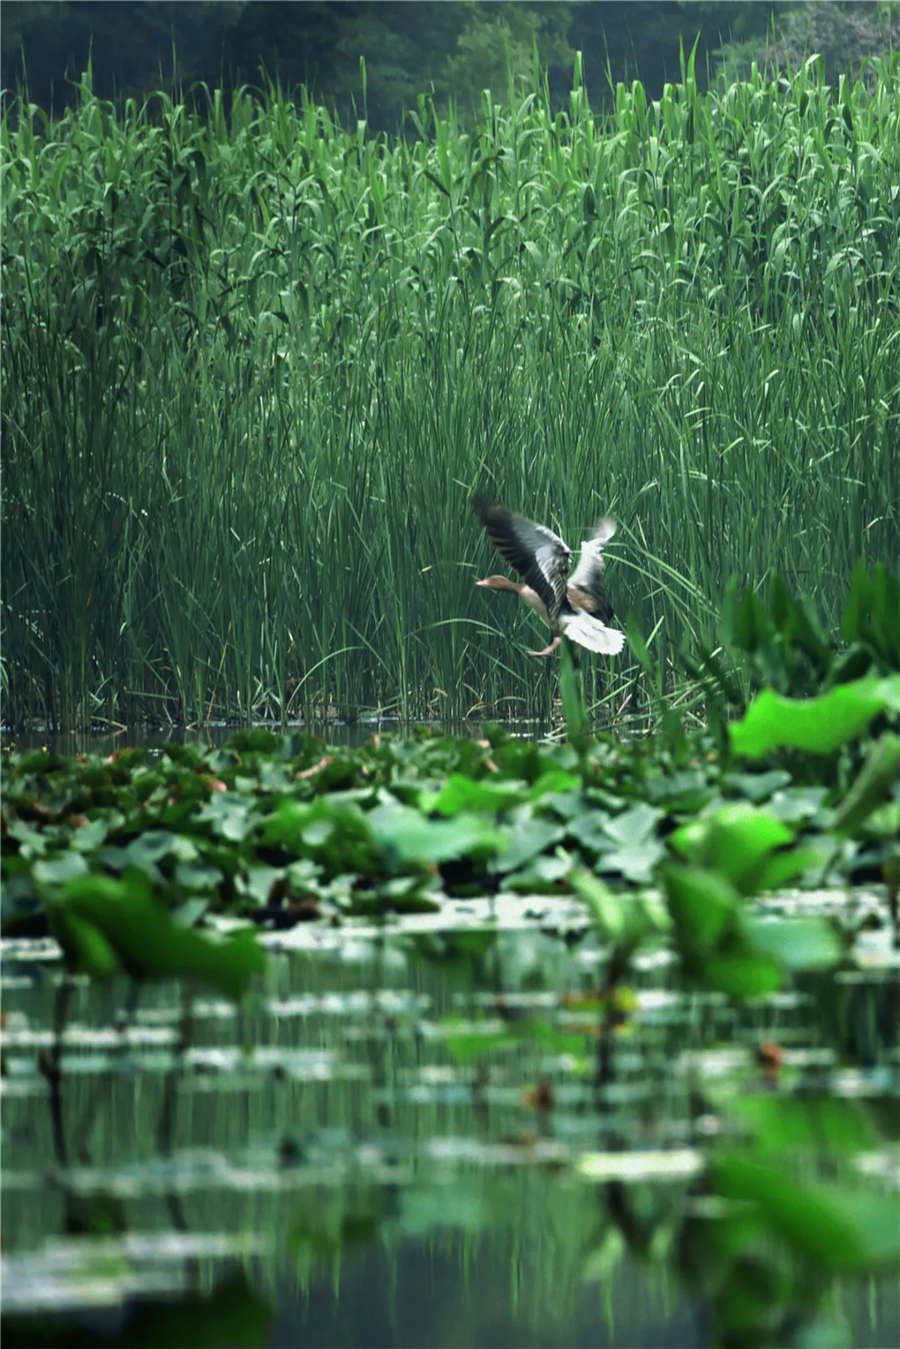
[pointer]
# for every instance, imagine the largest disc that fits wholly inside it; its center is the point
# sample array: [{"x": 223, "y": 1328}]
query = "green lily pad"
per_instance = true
[
  {"x": 635, "y": 862},
  {"x": 737, "y": 841},
  {"x": 56, "y": 870},
  {"x": 405, "y": 836},
  {"x": 633, "y": 826},
  {"x": 461, "y": 793}
]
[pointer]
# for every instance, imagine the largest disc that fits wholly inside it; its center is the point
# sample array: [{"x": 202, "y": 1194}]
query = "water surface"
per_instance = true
[{"x": 399, "y": 1140}]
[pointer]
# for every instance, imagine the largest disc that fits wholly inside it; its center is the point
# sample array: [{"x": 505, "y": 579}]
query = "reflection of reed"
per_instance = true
[
  {"x": 616, "y": 970},
  {"x": 166, "y": 1130},
  {"x": 88, "y": 1114},
  {"x": 50, "y": 1068}
]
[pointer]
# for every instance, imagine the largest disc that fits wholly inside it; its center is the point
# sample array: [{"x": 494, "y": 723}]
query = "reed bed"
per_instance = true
[{"x": 255, "y": 363}]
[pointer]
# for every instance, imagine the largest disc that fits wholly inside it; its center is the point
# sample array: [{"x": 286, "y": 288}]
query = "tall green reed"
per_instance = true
[{"x": 255, "y": 363}]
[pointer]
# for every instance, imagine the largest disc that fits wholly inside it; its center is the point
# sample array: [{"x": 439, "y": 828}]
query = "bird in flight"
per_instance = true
[{"x": 574, "y": 606}]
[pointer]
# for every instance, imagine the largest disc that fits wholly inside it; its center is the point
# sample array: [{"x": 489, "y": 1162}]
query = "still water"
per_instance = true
[
  {"x": 349, "y": 735},
  {"x": 391, "y": 1143}
]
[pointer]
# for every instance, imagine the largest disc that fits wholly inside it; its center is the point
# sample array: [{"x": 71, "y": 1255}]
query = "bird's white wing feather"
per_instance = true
[{"x": 591, "y": 559}]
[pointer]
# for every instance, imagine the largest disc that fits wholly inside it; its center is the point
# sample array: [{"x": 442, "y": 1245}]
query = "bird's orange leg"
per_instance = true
[{"x": 548, "y": 650}]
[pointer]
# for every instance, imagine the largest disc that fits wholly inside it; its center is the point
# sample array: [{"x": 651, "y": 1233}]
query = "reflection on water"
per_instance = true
[
  {"x": 341, "y": 733},
  {"x": 400, "y": 1142}
]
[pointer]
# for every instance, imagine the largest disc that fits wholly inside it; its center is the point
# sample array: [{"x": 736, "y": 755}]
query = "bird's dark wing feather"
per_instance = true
[{"x": 535, "y": 552}]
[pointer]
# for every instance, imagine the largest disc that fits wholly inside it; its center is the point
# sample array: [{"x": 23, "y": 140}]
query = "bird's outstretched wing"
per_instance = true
[
  {"x": 586, "y": 589},
  {"x": 534, "y": 551}
]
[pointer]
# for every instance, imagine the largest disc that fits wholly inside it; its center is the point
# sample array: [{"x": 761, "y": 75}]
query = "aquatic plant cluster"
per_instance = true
[
  {"x": 280, "y": 830},
  {"x": 160, "y": 865},
  {"x": 255, "y": 368},
  {"x": 255, "y": 364}
]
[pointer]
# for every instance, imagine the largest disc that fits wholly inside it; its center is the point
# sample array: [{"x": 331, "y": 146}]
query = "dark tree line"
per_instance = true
[{"x": 451, "y": 50}]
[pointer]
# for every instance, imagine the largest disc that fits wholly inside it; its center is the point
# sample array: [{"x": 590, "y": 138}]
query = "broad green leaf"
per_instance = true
[
  {"x": 758, "y": 787},
  {"x": 818, "y": 725},
  {"x": 337, "y": 834},
  {"x": 258, "y": 881},
  {"x": 836, "y": 1228},
  {"x": 782, "y": 868},
  {"x": 148, "y": 849},
  {"x": 686, "y": 790},
  {"x": 191, "y": 911},
  {"x": 796, "y": 803},
  {"x": 408, "y": 894},
  {"x": 84, "y": 946},
  {"x": 40, "y": 761},
  {"x": 88, "y": 837},
  {"x": 31, "y": 841},
  {"x": 606, "y": 909},
  {"x": 197, "y": 876},
  {"x": 55, "y": 870},
  {"x": 406, "y": 836},
  {"x": 738, "y": 841},
  {"x": 821, "y": 1124},
  {"x": 540, "y": 874},
  {"x": 554, "y": 782},
  {"x": 461, "y": 793},
  {"x": 529, "y": 837},
  {"x": 703, "y": 904},
  {"x": 740, "y": 974},
  {"x": 145, "y": 940},
  {"x": 796, "y": 943},
  {"x": 634, "y": 861},
  {"x": 633, "y": 826},
  {"x": 228, "y": 815}
]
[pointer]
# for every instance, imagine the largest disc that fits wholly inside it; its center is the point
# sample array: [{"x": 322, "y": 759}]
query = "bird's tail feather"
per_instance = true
[{"x": 591, "y": 633}]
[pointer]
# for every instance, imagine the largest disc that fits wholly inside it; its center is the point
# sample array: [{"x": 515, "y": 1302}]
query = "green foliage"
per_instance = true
[
  {"x": 823, "y": 1225},
  {"x": 371, "y": 58},
  {"x": 763, "y": 1248},
  {"x": 254, "y": 364},
  {"x": 848, "y": 39},
  {"x": 818, "y": 725},
  {"x": 877, "y": 778},
  {"x": 106, "y": 927},
  {"x": 114, "y": 852},
  {"x": 720, "y": 948},
  {"x": 505, "y": 47},
  {"x": 782, "y": 649},
  {"x": 572, "y": 697},
  {"x": 123, "y": 857}
]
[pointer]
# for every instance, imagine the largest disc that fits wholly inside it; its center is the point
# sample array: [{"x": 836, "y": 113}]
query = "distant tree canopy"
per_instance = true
[
  {"x": 845, "y": 35},
  {"x": 453, "y": 50},
  {"x": 450, "y": 51}
]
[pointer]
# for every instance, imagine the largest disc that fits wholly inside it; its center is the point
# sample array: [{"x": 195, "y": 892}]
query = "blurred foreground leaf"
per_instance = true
[
  {"x": 837, "y": 1228},
  {"x": 106, "y": 925},
  {"x": 818, "y": 725}
]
